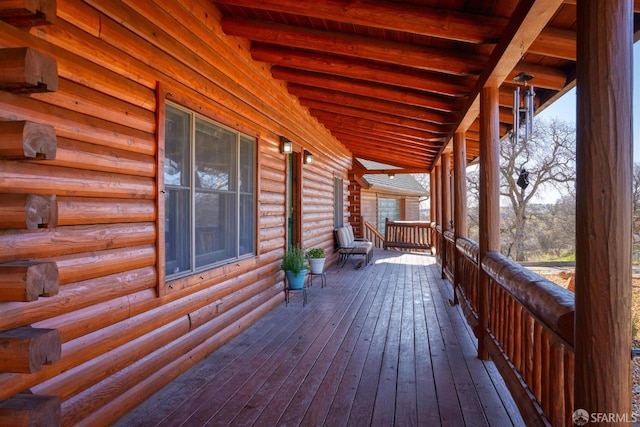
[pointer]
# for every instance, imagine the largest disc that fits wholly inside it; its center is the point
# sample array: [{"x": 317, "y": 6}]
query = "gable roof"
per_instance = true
[{"x": 404, "y": 184}]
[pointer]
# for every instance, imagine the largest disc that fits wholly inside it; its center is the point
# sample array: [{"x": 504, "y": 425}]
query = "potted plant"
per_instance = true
[
  {"x": 294, "y": 263},
  {"x": 316, "y": 260}
]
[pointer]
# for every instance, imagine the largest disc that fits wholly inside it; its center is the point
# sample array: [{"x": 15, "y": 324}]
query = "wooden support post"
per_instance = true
[
  {"x": 27, "y": 140},
  {"x": 30, "y": 410},
  {"x": 28, "y": 281},
  {"x": 30, "y": 211},
  {"x": 445, "y": 185},
  {"x": 24, "y": 350},
  {"x": 460, "y": 184},
  {"x": 459, "y": 200},
  {"x": 489, "y": 215},
  {"x": 604, "y": 156},
  {"x": 433, "y": 213},
  {"x": 438, "y": 197},
  {"x": 25, "y": 70}
]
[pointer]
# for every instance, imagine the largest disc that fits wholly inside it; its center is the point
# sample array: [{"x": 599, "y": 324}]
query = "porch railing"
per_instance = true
[
  {"x": 410, "y": 235},
  {"x": 530, "y": 332},
  {"x": 373, "y": 235},
  {"x": 450, "y": 249}
]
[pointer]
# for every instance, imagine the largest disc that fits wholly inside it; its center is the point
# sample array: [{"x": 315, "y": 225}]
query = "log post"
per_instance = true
[
  {"x": 30, "y": 410},
  {"x": 433, "y": 207},
  {"x": 30, "y": 211},
  {"x": 438, "y": 197},
  {"x": 459, "y": 201},
  {"x": 27, "y": 140},
  {"x": 28, "y": 13},
  {"x": 604, "y": 156},
  {"x": 24, "y": 350},
  {"x": 445, "y": 185},
  {"x": 25, "y": 70},
  {"x": 489, "y": 215},
  {"x": 28, "y": 281}
]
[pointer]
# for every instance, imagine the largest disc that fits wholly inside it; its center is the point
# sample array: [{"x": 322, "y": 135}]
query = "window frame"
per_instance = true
[{"x": 182, "y": 279}]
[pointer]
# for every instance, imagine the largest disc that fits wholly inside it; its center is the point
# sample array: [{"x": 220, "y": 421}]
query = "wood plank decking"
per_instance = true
[{"x": 378, "y": 346}]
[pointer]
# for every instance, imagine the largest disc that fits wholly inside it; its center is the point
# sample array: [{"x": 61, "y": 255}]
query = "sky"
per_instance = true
[{"x": 565, "y": 107}]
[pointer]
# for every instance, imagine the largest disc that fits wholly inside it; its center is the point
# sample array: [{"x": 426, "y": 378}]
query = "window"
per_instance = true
[
  {"x": 338, "y": 207},
  {"x": 387, "y": 208},
  {"x": 209, "y": 176}
]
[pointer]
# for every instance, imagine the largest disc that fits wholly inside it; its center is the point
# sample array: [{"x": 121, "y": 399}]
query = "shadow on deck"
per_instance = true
[{"x": 378, "y": 346}]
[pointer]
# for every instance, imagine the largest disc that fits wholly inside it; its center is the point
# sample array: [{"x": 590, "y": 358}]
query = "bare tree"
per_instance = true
[
  {"x": 548, "y": 157},
  {"x": 636, "y": 211}
]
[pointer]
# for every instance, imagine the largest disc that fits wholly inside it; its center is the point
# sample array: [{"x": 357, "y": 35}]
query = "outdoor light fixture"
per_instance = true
[
  {"x": 391, "y": 175},
  {"x": 286, "y": 146},
  {"x": 308, "y": 158},
  {"x": 523, "y": 108}
]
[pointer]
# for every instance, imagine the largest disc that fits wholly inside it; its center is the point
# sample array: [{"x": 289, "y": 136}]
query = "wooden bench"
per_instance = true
[{"x": 349, "y": 246}]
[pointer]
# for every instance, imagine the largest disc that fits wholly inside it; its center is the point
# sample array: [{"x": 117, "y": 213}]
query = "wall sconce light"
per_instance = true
[
  {"x": 308, "y": 157},
  {"x": 286, "y": 146},
  {"x": 392, "y": 175}
]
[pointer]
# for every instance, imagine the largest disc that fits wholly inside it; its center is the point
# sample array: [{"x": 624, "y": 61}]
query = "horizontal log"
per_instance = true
[
  {"x": 82, "y": 155},
  {"x": 30, "y": 410},
  {"x": 132, "y": 368},
  {"x": 75, "y": 125},
  {"x": 26, "y": 177},
  {"x": 26, "y": 70},
  {"x": 551, "y": 304},
  {"x": 468, "y": 248},
  {"x": 27, "y": 140},
  {"x": 30, "y": 211},
  {"x": 85, "y": 266},
  {"x": 73, "y": 297},
  {"x": 24, "y": 350},
  {"x": 32, "y": 244},
  {"x": 95, "y": 210},
  {"x": 28, "y": 281}
]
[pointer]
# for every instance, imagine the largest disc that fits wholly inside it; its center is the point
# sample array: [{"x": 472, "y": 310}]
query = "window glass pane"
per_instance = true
[
  {"x": 177, "y": 148},
  {"x": 215, "y": 227},
  {"x": 247, "y": 165},
  {"x": 387, "y": 208},
  {"x": 247, "y": 224},
  {"x": 338, "y": 207},
  {"x": 177, "y": 231},
  {"x": 215, "y": 159}
]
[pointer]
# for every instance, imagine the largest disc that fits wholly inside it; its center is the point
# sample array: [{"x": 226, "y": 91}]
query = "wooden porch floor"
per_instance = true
[{"x": 378, "y": 346}]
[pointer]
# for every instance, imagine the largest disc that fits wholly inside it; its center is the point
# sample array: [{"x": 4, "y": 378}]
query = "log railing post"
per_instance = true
[
  {"x": 604, "y": 156},
  {"x": 489, "y": 214}
]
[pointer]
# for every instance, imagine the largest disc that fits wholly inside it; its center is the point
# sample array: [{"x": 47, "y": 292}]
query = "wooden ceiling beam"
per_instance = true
[
  {"x": 361, "y": 47},
  {"x": 555, "y": 43},
  {"x": 383, "y": 152},
  {"x": 422, "y": 146},
  {"x": 361, "y": 70},
  {"x": 374, "y": 127},
  {"x": 526, "y": 23},
  {"x": 387, "y": 15},
  {"x": 370, "y": 89},
  {"x": 416, "y": 127},
  {"x": 478, "y": 29},
  {"x": 371, "y": 104}
]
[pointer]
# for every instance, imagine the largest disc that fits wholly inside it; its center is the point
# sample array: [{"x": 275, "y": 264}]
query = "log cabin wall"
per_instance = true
[{"x": 124, "y": 331}]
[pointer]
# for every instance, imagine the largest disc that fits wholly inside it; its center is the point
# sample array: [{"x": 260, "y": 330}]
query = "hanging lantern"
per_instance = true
[{"x": 523, "y": 107}]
